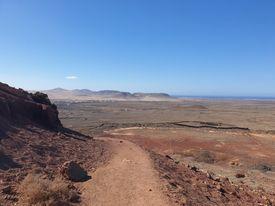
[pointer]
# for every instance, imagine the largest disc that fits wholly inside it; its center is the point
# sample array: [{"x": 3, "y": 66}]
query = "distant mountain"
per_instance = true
[
  {"x": 86, "y": 95},
  {"x": 158, "y": 95}
]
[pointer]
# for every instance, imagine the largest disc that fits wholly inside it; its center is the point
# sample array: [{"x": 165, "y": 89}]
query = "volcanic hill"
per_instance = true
[{"x": 33, "y": 140}]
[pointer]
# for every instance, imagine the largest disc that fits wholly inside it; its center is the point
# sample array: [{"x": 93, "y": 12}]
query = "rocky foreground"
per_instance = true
[
  {"x": 188, "y": 185},
  {"x": 39, "y": 159}
]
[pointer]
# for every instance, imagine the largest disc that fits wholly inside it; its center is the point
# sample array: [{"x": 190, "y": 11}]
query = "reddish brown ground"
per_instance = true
[
  {"x": 33, "y": 138},
  {"x": 36, "y": 148},
  {"x": 189, "y": 186},
  {"x": 219, "y": 152},
  {"x": 129, "y": 179}
]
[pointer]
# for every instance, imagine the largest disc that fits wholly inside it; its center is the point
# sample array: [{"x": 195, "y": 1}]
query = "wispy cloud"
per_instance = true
[{"x": 71, "y": 77}]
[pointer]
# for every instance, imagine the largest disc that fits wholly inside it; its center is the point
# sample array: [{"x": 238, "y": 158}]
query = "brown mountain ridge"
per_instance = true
[{"x": 87, "y": 95}]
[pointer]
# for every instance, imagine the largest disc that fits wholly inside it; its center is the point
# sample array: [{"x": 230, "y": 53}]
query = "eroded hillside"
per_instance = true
[{"x": 34, "y": 144}]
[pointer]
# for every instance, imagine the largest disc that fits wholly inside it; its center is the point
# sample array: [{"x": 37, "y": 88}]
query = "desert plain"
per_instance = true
[
  {"x": 229, "y": 138},
  {"x": 140, "y": 149}
]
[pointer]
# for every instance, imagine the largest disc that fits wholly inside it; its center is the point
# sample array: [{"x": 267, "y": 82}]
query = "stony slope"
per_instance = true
[
  {"x": 33, "y": 139},
  {"x": 187, "y": 185}
]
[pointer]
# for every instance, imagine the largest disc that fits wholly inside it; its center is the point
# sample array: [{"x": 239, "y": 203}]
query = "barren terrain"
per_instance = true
[
  {"x": 184, "y": 152},
  {"x": 86, "y": 116},
  {"x": 33, "y": 148},
  {"x": 128, "y": 179},
  {"x": 208, "y": 139}
]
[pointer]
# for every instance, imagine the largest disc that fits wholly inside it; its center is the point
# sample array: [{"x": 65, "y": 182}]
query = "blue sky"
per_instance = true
[{"x": 191, "y": 47}]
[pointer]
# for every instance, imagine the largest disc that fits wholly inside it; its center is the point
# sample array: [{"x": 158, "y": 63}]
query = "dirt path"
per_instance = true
[{"x": 128, "y": 180}]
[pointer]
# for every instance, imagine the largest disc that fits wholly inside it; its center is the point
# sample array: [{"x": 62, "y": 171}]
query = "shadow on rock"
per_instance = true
[
  {"x": 6, "y": 162},
  {"x": 74, "y": 172}
]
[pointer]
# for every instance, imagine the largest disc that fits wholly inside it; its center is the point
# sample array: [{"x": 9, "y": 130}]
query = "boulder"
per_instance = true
[
  {"x": 7, "y": 190},
  {"x": 72, "y": 171}
]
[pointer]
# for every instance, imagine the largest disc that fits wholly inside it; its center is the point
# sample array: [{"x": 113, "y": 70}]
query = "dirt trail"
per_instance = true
[{"x": 128, "y": 180}]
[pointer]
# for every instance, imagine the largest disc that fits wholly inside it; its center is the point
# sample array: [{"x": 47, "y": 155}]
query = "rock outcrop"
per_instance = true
[
  {"x": 33, "y": 141},
  {"x": 20, "y": 107},
  {"x": 72, "y": 171}
]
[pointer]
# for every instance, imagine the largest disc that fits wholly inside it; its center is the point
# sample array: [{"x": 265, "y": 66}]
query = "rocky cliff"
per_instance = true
[
  {"x": 33, "y": 142},
  {"x": 18, "y": 107}
]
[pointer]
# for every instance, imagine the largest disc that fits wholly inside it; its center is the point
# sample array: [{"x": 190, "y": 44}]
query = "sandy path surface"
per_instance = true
[{"x": 128, "y": 180}]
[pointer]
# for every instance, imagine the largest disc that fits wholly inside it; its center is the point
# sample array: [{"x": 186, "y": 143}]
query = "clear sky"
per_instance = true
[{"x": 191, "y": 47}]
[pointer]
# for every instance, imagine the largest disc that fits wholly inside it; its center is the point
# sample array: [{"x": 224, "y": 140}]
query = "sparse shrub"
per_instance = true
[
  {"x": 263, "y": 167},
  {"x": 205, "y": 156},
  {"x": 36, "y": 190}
]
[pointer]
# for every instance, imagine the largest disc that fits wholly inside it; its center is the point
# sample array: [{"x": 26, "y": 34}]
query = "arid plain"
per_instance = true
[
  {"x": 225, "y": 138},
  {"x": 149, "y": 149}
]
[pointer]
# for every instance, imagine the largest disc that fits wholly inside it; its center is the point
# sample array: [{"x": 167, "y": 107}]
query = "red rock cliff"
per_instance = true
[{"x": 20, "y": 107}]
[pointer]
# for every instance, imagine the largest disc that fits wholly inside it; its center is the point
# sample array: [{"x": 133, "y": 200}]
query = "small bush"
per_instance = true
[
  {"x": 205, "y": 156},
  {"x": 39, "y": 191},
  {"x": 263, "y": 167}
]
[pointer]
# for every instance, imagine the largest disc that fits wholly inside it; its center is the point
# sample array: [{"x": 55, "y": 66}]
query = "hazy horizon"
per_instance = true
[
  {"x": 196, "y": 48},
  {"x": 173, "y": 94}
]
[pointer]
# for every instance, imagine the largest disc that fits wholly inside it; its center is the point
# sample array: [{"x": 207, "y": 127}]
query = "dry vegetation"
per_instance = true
[
  {"x": 33, "y": 138},
  {"x": 46, "y": 151},
  {"x": 205, "y": 156},
  {"x": 38, "y": 190}
]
